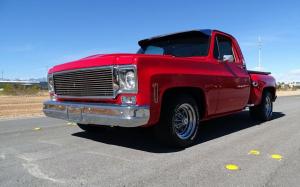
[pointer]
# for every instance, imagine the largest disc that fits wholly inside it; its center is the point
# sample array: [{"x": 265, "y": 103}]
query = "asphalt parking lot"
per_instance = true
[{"x": 49, "y": 152}]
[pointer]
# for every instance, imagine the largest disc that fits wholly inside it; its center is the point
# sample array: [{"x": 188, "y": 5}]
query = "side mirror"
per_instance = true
[{"x": 228, "y": 58}]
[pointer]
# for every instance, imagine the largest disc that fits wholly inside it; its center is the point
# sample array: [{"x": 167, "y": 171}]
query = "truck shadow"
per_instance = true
[{"x": 144, "y": 139}]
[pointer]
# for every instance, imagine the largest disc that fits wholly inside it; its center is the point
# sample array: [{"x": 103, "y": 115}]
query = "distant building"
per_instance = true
[
  {"x": 42, "y": 84},
  {"x": 294, "y": 85}
]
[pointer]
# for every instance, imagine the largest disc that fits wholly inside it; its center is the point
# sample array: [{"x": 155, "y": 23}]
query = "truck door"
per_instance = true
[{"x": 234, "y": 81}]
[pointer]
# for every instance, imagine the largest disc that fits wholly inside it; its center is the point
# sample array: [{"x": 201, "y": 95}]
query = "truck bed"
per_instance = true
[{"x": 258, "y": 72}]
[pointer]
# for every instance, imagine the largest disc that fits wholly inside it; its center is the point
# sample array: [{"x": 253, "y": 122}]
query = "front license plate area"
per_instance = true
[{"x": 74, "y": 114}]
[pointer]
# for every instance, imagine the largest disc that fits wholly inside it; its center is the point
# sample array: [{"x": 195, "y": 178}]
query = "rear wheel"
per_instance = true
[
  {"x": 92, "y": 128},
  {"x": 264, "y": 110},
  {"x": 179, "y": 122}
]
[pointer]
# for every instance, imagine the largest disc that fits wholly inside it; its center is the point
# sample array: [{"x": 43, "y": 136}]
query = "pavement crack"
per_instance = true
[{"x": 34, "y": 169}]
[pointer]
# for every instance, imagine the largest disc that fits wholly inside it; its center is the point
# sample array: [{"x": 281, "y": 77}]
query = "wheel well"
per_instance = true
[
  {"x": 271, "y": 90},
  {"x": 196, "y": 93}
]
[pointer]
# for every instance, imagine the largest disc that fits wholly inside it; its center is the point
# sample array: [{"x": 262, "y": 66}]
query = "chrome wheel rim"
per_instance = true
[
  {"x": 268, "y": 107},
  {"x": 184, "y": 121}
]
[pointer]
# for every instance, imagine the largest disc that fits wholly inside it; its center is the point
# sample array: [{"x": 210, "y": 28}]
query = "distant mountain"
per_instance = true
[{"x": 43, "y": 79}]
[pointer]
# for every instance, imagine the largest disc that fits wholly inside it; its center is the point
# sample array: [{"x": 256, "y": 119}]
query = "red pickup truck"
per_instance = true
[{"x": 173, "y": 83}]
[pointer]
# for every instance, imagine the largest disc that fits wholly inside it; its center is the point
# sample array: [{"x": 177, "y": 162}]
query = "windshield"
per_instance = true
[{"x": 179, "y": 45}]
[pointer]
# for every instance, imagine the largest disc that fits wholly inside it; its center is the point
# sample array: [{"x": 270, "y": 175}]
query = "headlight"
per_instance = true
[
  {"x": 50, "y": 83},
  {"x": 125, "y": 79},
  {"x": 130, "y": 80}
]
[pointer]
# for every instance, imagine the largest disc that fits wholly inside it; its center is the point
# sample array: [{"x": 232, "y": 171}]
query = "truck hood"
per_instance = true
[
  {"x": 104, "y": 60},
  {"x": 95, "y": 61}
]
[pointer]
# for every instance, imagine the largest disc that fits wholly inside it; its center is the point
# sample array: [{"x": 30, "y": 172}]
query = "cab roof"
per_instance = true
[{"x": 207, "y": 32}]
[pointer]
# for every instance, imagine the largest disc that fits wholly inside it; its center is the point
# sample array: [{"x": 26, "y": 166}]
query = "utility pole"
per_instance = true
[
  {"x": 259, "y": 53},
  {"x": 46, "y": 73}
]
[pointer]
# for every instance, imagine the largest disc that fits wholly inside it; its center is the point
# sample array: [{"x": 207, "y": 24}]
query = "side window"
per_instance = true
[{"x": 223, "y": 47}]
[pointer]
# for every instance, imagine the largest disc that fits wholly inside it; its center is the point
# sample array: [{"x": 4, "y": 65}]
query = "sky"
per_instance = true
[{"x": 35, "y": 35}]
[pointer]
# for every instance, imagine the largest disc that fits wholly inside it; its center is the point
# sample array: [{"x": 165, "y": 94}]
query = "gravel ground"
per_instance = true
[{"x": 21, "y": 106}]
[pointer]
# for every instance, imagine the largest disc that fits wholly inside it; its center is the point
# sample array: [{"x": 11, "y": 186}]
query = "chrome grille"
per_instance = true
[{"x": 93, "y": 82}]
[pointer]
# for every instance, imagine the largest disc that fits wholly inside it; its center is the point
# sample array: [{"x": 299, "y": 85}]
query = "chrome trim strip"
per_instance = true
[
  {"x": 98, "y": 114},
  {"x": 85, "y": 97},
  {"x": 82, "y": 69},
  {"x": 155, "y": 92}
]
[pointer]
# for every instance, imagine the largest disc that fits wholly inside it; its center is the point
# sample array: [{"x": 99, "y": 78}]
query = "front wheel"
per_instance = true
[
  {"x": 263, "y": 111},
  {"x": 179, "y": 122}
]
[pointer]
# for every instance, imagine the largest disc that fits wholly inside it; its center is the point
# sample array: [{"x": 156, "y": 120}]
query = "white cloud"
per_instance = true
[
  {"x": 295, "y": 72},
  {"x": 290, "y": 76}
]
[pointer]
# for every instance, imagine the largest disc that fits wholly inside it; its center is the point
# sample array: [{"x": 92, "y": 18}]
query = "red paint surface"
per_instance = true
[{"x": 226, "y": 86}]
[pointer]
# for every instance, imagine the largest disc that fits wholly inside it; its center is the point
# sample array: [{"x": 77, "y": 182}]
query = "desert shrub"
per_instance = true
[
  {"x": 8, "y": 89},
  {"x": 16, "y": 89},
  {"x": 294, "y": 88}
]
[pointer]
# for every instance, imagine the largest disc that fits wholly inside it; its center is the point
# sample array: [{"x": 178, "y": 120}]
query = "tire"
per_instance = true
[
  {"x": 263, "y": 111},
  {"x": 92, "y": 128},
  {"x": 179, "y": 123}
]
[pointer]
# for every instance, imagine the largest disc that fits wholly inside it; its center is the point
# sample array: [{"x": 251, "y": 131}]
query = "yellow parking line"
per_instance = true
[
  {"x": 276, "y": 156},
  {"x": 254, "y": 152},
  {"x": 72, "y": 124},
  {"x": 232, "y": 167}
]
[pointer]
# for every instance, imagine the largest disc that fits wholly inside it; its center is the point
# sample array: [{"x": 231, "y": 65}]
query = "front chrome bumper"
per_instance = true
[{"x": 98, "y": 114}]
